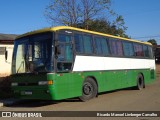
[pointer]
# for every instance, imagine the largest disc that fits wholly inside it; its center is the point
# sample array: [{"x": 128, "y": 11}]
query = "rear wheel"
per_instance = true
[
  {"x": 89, "y": 89},
  {"x": 140, "y": 82}
]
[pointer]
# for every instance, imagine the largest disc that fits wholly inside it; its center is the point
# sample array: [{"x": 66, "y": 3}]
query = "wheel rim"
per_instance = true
[{"x": 87, "y": 89}]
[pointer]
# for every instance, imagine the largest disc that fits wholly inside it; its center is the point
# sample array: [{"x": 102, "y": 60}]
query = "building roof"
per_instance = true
[{"x": 7, "y": 36}]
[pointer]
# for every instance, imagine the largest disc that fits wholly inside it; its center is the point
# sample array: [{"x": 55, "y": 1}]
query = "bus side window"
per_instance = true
[
  {"x": 101, "y": 46},
  {"x": 128, "y": 49},
  {"x": 116, "y": 47},
  {"x": 78, "y": 38},
  {"x": 145, "y": 51},
  {"x": 113, "y": 46},
  {"x": 119, "y": 48},
  {"x": 64, "y": 38},
  {"x": 88, "y": 45},
  {"x": 138, "y": 50},
  {"x": 98, "y": 46},
  {"x": 65, "y": 56},
  {"x": 150, "y": 49}
]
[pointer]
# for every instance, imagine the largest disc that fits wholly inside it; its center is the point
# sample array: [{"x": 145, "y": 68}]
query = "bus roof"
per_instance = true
[{"x": 77, "y": 29}]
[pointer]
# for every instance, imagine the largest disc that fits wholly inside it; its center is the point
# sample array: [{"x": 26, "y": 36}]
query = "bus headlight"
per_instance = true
[
  {"x": 14, "y": 84},
  {"x": 43, "y": 83},
  {"x": 50, "y": 82}
]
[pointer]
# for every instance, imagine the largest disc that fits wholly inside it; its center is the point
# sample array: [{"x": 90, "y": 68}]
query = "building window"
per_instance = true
[{"x": 2, "y": 50}]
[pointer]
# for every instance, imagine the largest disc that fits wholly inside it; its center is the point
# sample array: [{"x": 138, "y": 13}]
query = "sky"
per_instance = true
[{"x": 142, "y": 17}]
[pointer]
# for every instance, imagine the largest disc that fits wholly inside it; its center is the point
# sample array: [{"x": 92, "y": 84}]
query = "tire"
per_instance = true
[
  {"x": 140, "y": 82},
  {"x": 89, "y": 89}
]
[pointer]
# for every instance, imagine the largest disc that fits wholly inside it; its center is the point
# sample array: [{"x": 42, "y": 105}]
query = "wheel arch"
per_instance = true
[
  {"x": 94, "y": 78},
  {"x": 141, "y": 73}
]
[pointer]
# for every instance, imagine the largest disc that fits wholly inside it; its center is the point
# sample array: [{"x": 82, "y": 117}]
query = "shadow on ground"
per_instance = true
[{"x": 39, "y": 103}]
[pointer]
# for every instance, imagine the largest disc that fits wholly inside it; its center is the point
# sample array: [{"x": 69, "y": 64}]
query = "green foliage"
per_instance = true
[
  {"x": 153, "y": 41},
  {"x": 104, "y": 26}
]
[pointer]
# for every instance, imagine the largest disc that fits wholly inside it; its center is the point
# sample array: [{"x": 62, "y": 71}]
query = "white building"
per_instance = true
[{"x": 6, "y": 50}]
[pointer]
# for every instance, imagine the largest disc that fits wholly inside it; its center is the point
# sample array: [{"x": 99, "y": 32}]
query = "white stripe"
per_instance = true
[{"x": 91, "y": 63}]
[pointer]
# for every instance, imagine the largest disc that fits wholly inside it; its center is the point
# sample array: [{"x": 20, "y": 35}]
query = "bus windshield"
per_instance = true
[{"x": 33, "y": 54}]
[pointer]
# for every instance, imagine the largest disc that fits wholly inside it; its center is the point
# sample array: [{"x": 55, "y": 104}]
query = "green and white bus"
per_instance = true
[{"x": 65, "y": 62}]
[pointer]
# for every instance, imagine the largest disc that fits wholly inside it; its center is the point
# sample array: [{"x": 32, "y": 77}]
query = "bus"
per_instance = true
[{"x": 66, "y": 62}]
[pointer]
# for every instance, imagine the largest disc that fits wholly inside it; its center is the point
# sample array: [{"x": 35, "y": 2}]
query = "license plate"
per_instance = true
[{"x": 26, "y": 93}]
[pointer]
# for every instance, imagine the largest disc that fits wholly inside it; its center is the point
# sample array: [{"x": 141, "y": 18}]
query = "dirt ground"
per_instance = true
[
  {"x": 158, "y": 68},
  {"x": 158, "y": 71}
]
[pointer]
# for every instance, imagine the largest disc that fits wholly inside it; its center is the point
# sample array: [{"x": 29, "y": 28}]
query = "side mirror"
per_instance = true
[{"x": 6, "y": 55}]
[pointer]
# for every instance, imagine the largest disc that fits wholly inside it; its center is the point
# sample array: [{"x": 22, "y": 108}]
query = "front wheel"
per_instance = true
[
  {"x": 89, "y": 89},
  {"x": 140, "y": 82}
]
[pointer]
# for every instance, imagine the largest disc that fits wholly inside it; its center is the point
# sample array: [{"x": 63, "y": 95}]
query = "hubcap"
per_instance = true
[{"x": 87, "y": 89}]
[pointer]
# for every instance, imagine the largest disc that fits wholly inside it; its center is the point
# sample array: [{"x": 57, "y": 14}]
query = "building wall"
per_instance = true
[{"x": 5, "y": 65}]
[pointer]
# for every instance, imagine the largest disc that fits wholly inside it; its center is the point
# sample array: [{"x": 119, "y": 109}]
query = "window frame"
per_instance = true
[
  {"x": 142, "y": 52},
  {"x": 57, "y": 43},
  {"x": 116, "y": 47},
  {"x": 2, "y": 50},
  {"x": 129, "y": 48},
  {"x": 107, "y": 43}
]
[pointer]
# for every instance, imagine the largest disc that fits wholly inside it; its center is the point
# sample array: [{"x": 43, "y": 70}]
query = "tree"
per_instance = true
[
  {"x": 104, "y": 26},
  {"x": 73, "y": 12},
  {"x": 86, "y": 14},
  {"x": 64, "y": 12},
  {"x": 153, "y": 42},
  {"x": 94, "y": 8}
]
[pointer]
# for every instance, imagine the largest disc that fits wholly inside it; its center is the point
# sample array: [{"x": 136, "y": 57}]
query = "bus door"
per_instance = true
[{"x": 64, "y": 52}]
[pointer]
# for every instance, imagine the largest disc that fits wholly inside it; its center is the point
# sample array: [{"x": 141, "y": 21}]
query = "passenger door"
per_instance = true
[{"x": 65, "y": 55}]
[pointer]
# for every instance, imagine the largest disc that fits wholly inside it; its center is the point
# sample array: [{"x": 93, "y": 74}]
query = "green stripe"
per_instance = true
[{"x": 68, "y": 85}]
